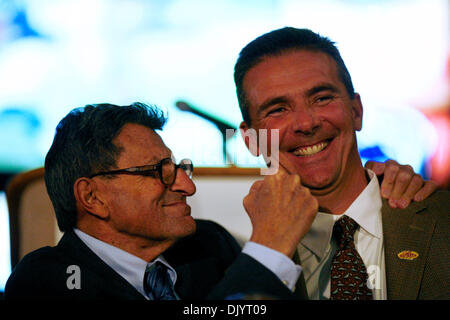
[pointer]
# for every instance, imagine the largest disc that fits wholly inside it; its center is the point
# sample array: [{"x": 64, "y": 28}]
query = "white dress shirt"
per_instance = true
[
  {"x": 129, "y": 266},
  {"x": 132, "y": 268},
  {"x": 317, "y": 248}
]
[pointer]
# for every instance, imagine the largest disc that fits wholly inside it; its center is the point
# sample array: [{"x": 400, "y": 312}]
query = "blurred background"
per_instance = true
[{"x": 56, "y": 55}]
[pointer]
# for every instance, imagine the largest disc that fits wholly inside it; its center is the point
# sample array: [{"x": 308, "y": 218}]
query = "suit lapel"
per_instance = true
[
  {"x": 408, "y": 231},
  {"x": 109, "y": 280}
]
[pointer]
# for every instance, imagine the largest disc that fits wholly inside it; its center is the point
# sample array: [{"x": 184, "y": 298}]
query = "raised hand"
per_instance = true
[{"x": 281, "y": 211}]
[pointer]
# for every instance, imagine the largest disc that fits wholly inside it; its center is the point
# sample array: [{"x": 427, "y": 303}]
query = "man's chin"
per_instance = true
[
  {"x": 188, "y": 226},
  {"x": 318, "y": 185}
]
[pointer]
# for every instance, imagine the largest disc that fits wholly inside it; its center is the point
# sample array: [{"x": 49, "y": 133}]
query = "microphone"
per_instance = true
[{"x": 221, "y": 125}]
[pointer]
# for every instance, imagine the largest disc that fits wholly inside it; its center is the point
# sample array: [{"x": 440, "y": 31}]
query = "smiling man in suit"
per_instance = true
[{"x": 358, "y": 247}]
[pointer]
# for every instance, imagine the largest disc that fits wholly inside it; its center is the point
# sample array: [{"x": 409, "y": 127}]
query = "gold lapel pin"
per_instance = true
[{"x": 408, "y": 255}]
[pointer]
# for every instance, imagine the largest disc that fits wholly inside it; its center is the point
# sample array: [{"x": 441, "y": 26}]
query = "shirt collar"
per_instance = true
[
  {"x": 318, "y": 237},
  {"x": 129, "y": 266},
  {"x": 365, "y": 210}
]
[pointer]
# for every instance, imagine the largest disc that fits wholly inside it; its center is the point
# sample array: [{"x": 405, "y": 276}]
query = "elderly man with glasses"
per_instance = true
[{"x": 120, "y": 200}]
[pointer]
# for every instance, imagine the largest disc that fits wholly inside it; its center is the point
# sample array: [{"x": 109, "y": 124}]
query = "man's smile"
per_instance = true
[{"x": 309, "y": 150}]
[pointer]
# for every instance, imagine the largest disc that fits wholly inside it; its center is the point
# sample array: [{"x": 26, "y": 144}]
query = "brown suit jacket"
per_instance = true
[{"x": 424, "y": 228}]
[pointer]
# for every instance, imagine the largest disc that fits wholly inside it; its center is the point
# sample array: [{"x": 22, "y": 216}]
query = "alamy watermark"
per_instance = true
[
  {"x": 74, "y": 280},
  {"x": 374, "y": 277},
  {"x": 259, "y": 143}
]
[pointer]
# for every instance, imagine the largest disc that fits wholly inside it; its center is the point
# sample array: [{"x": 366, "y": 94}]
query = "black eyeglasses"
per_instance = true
[{"x": 166, "y": 168}]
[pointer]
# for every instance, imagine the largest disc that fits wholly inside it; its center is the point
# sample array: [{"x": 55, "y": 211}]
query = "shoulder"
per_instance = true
[
  {"x": 38, "y": 270},
  {"x": 211, "y": 229},
  {"x": 210, "y": 234},
  {"x": 437, "y": 205},
  {"x": 40, "y": 259},
  {"x": 44, "y": 273},
  {"x": 210, "y": 239}
]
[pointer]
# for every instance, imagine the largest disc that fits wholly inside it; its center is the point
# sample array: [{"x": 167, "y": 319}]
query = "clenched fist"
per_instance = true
[{"x": 281, "y": 211}]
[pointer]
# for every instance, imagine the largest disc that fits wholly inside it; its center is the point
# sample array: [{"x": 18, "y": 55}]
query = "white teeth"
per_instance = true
[{"x": 310, "y": 150}]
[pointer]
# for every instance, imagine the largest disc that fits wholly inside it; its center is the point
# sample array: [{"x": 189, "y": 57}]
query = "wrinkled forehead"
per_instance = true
[
  {"x": 298, "y": 70},
  {"x": 294, "y": 61},
  {"x": 140, "y": 146}
]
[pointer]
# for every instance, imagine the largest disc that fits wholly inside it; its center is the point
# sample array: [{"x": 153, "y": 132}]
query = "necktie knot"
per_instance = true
[
  {"x": 157, "y": 282},
  {"x": 343, "y": 231}
]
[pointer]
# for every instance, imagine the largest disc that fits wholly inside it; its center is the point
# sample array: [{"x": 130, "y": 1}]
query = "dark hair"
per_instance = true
[
  {"x": 278, "y": 42},
  {"x": 83, "y": 145}
]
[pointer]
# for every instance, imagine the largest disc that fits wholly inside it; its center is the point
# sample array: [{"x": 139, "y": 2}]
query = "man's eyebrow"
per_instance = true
[
  {"x": 312, "y": 91},
  {"x": 154, "y": 160},
  {"x": 321, "y": 87},
  {"x": 270, "y": 102}
]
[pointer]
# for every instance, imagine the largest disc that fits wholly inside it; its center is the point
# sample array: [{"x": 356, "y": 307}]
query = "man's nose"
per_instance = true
[
  {"x": 183, "y": 184},
  {"x": 305, "y": 120}
]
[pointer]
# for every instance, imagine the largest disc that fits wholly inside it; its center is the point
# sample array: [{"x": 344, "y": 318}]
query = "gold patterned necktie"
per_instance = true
[{"x": 348, "y": 272}]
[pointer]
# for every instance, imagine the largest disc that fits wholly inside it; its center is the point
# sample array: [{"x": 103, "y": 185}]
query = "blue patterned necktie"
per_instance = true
[
  {"x": 348, "y": 272},
  {"x": 157, "y": 283}
]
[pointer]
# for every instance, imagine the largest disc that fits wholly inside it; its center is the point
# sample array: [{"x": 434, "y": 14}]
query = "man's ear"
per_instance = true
[
  {"x": 88, "y": 197},
  {"x": 357, "y": 112},
  {"x": 250, "y": 137}
]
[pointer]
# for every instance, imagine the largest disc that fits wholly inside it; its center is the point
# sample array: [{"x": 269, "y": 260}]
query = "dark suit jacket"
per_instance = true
[
  {"x": 209, "y": 264},
  {"x": 423, "y": 227}
]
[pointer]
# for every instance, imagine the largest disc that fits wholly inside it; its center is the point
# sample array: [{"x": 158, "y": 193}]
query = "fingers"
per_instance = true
[
  {"x": 415, "y": 185},
  {"x": 390, "y": 173},
  {"x": 254, "y": 189},
  {"x": 311, "y": 200},
  {"x": 281, "y": 211},
  {"x": 401, "y": 184},
  {"x": 403, "y": 179},
  {"x": 284, "y": 162},
  {"x": 375, "y": 166},
  {"x": 428, "y": 188},
  {"x": 256, "y": 186}
]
